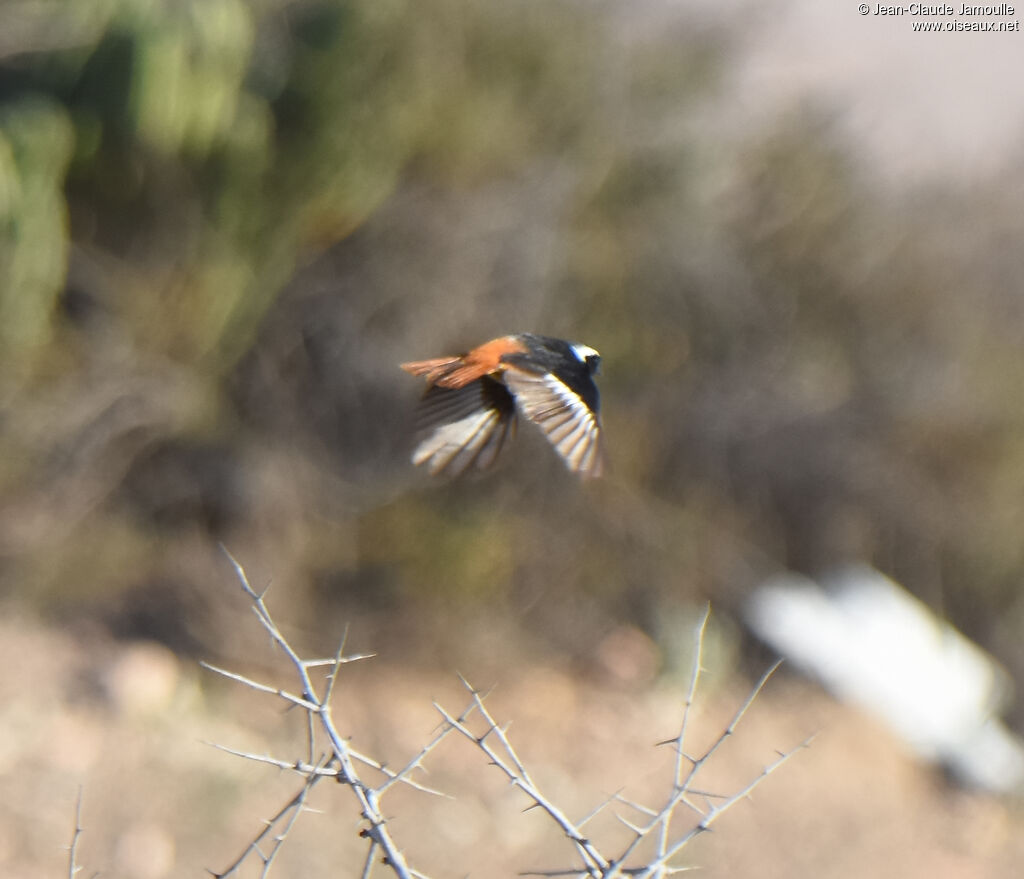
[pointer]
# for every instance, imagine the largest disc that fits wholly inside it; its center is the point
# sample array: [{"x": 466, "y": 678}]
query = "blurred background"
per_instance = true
[{"x": 793, "y": 232}]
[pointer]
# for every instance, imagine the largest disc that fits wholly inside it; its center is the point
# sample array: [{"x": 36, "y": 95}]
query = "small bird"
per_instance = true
[{"x": 469, "y": 407}]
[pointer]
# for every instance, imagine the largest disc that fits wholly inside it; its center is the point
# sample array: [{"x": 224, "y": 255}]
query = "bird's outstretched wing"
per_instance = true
[
  {"x": 570, "y": 425},
  {"x": 460, "y": 428}
]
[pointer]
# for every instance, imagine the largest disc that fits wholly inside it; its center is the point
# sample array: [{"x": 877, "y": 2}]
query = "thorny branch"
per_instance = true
[
  {"x": 341, "y": 763},
  {"x": 655, "y": 823},
  {"x": 659, "y": 830}
]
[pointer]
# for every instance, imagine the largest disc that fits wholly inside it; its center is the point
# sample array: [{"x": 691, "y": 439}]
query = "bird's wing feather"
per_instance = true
[
  {"x": 458, "y": 428},
  {"x": 568, "y": 423}
]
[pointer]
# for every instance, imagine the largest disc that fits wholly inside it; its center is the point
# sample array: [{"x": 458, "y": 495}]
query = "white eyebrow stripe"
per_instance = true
[{"x": 582, "y": 352}]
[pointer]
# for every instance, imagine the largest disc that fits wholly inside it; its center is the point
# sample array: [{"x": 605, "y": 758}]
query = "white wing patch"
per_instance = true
[
  {"x": 566, "y": 420},
  {"x": 454, "y": 447}
]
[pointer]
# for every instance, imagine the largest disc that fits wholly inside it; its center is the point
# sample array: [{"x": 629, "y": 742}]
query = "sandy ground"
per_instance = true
[{"x": 127, "y": 723}]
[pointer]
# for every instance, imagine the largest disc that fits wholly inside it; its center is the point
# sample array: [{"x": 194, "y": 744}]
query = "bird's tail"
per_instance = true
[{"x": 445, "y": 372}]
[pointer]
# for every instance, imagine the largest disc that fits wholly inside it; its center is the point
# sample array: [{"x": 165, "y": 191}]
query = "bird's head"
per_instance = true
[{"x": 589, "y": 357}]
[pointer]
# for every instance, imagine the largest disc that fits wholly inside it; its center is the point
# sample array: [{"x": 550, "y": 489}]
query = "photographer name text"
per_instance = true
[{"x": 942, "y": 9}]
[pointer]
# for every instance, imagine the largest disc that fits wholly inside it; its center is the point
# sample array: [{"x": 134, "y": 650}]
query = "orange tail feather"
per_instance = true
[{"x": 446, "y": 372}]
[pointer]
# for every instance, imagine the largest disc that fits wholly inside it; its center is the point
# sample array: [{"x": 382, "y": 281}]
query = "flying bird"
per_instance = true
[{"x": 469, "y": 408}]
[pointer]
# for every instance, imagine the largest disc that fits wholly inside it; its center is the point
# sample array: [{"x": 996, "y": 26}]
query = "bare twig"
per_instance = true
[
  {"x": 300, "y": 766},
  {"x": 285, "y": 819},
  {"x": 661, "y": 821},
  {"x": 659, "y": 827},
  {"x": 73, "y": 868},
  {"x": 307, "y": 704},
  {"x": 508, "y": 762},
  {"x": 656, "y": 824},
  {"x": 660, "y": 865},
  {"x": 306, "y": 768},
  {"x": 342, "y": 757}
]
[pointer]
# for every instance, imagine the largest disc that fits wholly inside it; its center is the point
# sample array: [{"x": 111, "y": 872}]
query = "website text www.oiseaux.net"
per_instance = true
[{"x": 962, "y": 17}]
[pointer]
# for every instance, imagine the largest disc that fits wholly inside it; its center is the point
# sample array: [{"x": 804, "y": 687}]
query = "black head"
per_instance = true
[
  {"x": 555, "y": 353},
  {"x": 572, "y": 363},
  {"x": 588, "y": 356}
]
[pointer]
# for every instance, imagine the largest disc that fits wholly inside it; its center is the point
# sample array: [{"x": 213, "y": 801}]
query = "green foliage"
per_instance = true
[
  {"x": 35, "y": 147},
  {"x": 223, "y": 223}
]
